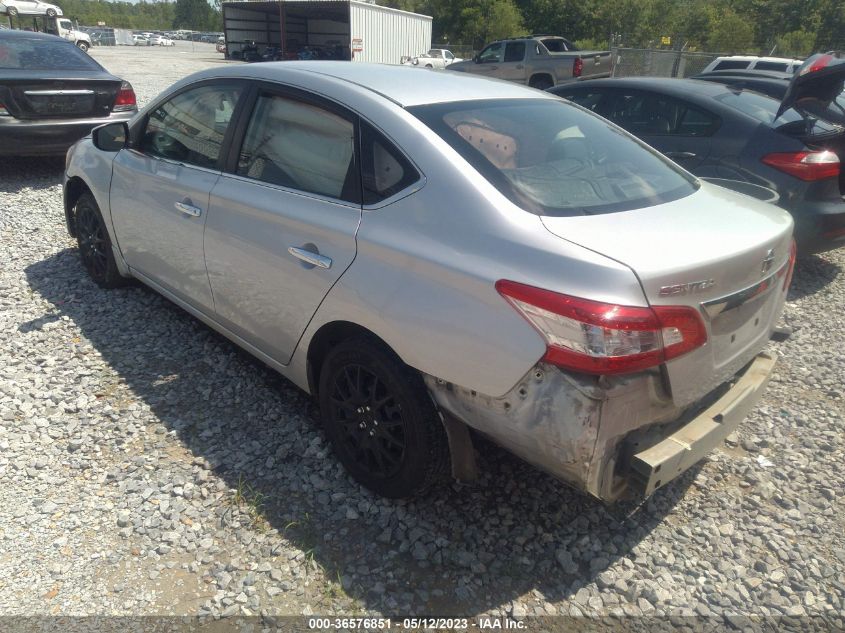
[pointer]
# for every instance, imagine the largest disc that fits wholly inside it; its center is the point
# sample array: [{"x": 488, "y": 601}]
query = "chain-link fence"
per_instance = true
[{"x": 645, "y": 62}]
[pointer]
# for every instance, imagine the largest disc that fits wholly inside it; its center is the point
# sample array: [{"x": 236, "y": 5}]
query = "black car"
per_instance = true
[
  {"x": 775, "y": 85},
  {"x": 731, "y": 132},
  {"x": 52, "y": 94}
]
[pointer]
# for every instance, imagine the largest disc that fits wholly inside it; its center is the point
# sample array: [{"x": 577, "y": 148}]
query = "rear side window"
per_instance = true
[
  {"x": 764, "y": 109},
  {"x": 731, "y": 64},
  {"x": 649, "y": 114},
  {"x": 515, "y": 52},
  {"x": 553, "y": 159},
  {"x": 44, "y": 54},
  {"x": 384, "y": 169},
  {"x": 301, "y": 146},
  {"x": 778, "y": 66}
]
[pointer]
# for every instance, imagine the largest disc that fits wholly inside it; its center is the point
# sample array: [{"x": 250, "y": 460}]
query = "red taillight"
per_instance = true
[
  {"x": 602, "y": 338},
  {"x": 3, "y": 110},
  {"x": 577, "y": 67},
  {"x": 808, "y": 166},
  {"x": 125, "y": 98}
]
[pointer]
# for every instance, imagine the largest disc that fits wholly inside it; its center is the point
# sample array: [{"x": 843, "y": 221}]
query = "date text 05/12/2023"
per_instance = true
[{"x": 410, "y": 624}]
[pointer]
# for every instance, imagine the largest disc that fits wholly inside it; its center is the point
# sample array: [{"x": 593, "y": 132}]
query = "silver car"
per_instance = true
[{"x": 432, "y": 254}]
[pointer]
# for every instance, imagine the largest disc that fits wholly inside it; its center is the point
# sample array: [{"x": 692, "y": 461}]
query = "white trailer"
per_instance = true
[{"x": 323, "y": 29}]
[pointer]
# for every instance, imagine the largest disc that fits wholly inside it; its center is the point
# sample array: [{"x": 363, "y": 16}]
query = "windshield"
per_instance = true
[
  {"x": 553, "y": 158},
  {"x": 44, "y": 55}
]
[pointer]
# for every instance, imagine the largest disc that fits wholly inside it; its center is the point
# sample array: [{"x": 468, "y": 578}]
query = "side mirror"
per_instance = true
[
  {"x": 111, "y": 137},
  {"x": 475, "y": 59}
]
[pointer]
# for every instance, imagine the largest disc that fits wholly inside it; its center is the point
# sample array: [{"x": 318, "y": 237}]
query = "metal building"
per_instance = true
[{"x": 323, "y": 29}]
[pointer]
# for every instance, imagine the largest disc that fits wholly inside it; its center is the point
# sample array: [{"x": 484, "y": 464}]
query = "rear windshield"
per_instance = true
[
  {"x": 40, "y": 54},
  {"x": 765, "y": 108},
  {"x": 553, "y": 158}
]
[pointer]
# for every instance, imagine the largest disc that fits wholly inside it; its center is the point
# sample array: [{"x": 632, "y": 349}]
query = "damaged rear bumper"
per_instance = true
[
  {"x": 667, "y": 459},
  {"x": 609, "y": 436}
]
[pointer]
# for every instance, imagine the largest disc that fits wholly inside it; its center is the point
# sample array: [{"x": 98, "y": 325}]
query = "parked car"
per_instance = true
[
  {"x": 160, "y": 40},
  {"x": 731, "y": 132},
  {"x": 221, "y": 45},
  {"x": 752, "y": 62},
  {"x": 539, "y": 61},
  {"x": 140, "y": 40},
  {"x": 434, "y": 58},
  {"x": 52, "y": 94},
  {"x": 30, "y": 7},
  {"x": 493, "y": 258}
]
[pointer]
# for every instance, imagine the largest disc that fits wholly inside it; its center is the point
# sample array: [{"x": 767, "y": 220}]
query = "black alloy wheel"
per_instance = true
[{"x": 380, "y": 419}]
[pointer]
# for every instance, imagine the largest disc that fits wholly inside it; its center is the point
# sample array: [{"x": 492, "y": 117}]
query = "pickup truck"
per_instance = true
[
  {"x": 434, "y": 58},
  {"x": 540, "y": 61}
]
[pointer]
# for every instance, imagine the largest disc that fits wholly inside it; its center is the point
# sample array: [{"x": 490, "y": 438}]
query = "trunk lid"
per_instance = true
[
  {"x": 819, "y": 79},
  {"x": 715, "y": 250},
  {"x": 61, "y": 98}
]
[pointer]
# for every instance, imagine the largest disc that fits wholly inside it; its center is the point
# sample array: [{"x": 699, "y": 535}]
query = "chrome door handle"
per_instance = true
[
  {"x": 188, "y": 209},
  {"x": 310, "y": 257}
]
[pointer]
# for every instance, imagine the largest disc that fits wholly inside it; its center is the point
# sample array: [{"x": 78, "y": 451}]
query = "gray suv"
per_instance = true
[{"x": 431, "y": 254}]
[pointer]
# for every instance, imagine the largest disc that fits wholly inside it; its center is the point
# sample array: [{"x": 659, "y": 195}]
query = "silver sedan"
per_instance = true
[{"x": 432, "y": 255}]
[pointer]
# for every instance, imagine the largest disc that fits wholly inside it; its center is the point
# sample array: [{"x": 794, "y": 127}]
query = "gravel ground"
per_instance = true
[{"x": 149, "y": 467}]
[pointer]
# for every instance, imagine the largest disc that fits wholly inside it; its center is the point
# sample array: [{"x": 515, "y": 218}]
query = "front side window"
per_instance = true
[
  {"x": 551, "y": 158},
  {"x": 190, "y": 127},
  {"x": 301, "y": 146},
  {"x": 492, "y": 54}
]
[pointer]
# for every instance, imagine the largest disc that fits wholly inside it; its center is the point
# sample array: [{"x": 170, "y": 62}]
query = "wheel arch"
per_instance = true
[
  {"x": 461, "y": 450},
  {"x": 328, "y": 336},
  {"x": 540, "y": 76},
  {"x": 74, "y": 188}
]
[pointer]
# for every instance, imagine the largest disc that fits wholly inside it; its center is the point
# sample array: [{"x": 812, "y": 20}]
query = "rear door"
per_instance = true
[
  {"x": 282, "y": 220},
  {"x": 160, "y": 187},
  {"x": 512, "y": 67}
]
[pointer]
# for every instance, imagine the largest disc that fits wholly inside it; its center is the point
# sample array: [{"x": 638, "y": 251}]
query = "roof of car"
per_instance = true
[
  {"x": 405, "y": 85},
  {"x": 666, "y": 85},
  {"x": 29, "y": 35}
]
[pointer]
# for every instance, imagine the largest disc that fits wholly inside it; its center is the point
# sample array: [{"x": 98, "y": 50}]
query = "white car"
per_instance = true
[
  {"x": 435, "y": 58},
  {"x": 752, "y": 62},
  {"x": 29, "y": 7},
  {"x": 140, "y": 40},
  {"x": 160, "y": 40}
]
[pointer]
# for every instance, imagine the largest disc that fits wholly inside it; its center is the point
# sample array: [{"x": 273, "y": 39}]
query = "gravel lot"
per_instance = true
[{"x": 149, "y": 467}]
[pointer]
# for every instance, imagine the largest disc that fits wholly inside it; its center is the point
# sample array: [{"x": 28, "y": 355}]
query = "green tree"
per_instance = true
[
  {"x": 731, "y": 33},
  {"x": 193, "y": 14}
]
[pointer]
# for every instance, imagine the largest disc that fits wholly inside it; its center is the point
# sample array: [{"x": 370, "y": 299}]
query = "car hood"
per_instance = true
[{"x": 820, "y": 77}]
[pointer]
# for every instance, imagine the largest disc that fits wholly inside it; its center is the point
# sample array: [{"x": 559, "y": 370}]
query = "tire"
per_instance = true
[
  {"x": 83, "y": 46},
  {"x": 429, "y": 66},
  {"x": 381, "y": 421},
  {"x": 541, "y": 83},
  {"x": 12, "y": 11},
  {"x": 51, "y": 13},
  {"x": 95, "y": 248}
]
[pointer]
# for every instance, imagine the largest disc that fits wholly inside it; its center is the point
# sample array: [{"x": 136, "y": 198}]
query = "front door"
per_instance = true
[
  {"x": 281, "y": 227},
  {"x": 160, "y": 189}
]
